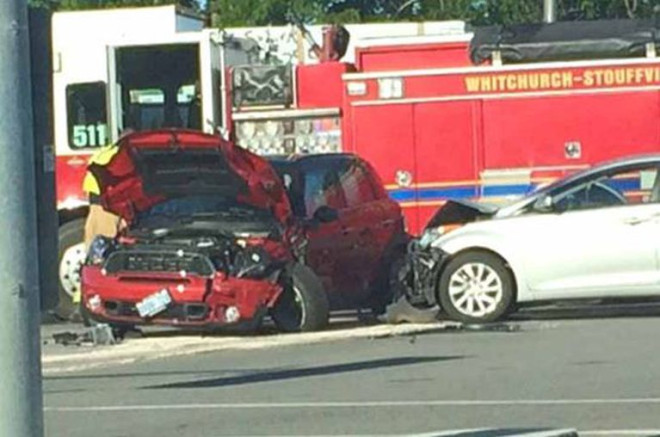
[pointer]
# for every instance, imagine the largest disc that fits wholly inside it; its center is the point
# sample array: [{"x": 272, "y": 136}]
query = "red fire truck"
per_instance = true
[
  {"x": 485, "y": 115},
  {"x": 491, "y": 118}
]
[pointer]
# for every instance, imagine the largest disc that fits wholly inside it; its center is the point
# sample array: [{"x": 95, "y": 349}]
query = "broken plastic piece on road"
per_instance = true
[
  {"x": 402, "y": 311},
  {"x": 100, "y": 335}
]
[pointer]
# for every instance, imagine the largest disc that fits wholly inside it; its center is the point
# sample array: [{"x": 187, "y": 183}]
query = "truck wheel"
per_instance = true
[
  {"x": 70, "y": 259},
  {"x": 476, "y": 287},
  {"x": 303, "y": 305}
]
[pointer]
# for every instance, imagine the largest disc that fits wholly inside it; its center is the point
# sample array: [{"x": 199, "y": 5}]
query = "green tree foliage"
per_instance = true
[
  {"x": 593, "y": 9},
  {"x": 232, "y": 13},
  {"x": 98, "y": 4},
  {"x": 229, "y": 13},
  {"x": 479, "y": 12}
]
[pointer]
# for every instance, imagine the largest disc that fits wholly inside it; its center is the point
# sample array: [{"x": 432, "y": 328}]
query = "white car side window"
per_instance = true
[{"x": 627, "y": 187}]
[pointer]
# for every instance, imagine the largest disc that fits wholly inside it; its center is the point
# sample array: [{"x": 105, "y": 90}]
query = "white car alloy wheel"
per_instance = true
[
  {"x": 475, "y": 289},
  {"x": 70, "y": 265}
]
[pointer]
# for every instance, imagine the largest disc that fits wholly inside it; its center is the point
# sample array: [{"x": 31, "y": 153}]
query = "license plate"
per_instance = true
[{"x": 154, "y": 304}]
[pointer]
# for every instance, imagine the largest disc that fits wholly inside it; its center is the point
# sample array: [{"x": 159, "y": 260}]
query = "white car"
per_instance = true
[{"x": 595, "y": 234}]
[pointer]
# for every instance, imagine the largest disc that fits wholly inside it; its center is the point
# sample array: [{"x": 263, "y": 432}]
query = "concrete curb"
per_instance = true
[{"x": 149, "y": 348}]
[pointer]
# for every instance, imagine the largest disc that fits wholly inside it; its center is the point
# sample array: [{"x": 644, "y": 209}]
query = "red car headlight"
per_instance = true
[{"x": 99, "y": 250}]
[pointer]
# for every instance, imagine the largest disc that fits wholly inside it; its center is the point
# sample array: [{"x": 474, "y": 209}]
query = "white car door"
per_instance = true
[
  {"x": 605, "y": 242},
  {"x": 598, "y": 252}
]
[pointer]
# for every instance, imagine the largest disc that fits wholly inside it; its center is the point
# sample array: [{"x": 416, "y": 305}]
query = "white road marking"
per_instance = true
[
  {"x": 354, "y": 404},
  {"x": 605, "y": 432},
  {"x": 621, "y": 432},
  {"x": 448, "y": 433},
  {"x": 609, "y": 433}
]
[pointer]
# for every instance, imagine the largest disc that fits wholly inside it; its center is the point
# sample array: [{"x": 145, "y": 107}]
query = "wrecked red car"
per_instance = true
[{"x": 217, "y": 236}]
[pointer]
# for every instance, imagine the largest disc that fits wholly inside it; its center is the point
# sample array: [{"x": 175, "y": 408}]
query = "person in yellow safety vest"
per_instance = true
[{"x": 99, "y": 221}]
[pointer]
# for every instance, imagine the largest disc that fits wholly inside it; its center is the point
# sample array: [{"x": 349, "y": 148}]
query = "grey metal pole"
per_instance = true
[
  {"x": 549, "y": 11},
  {"x": 21, "y": 405}
]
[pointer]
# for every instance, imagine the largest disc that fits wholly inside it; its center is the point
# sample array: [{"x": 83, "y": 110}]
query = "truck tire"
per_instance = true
[
  {"x": 303, "y": 305},
  {"x": 70, "y": 258},
  {"x": 476, "y": 287}
]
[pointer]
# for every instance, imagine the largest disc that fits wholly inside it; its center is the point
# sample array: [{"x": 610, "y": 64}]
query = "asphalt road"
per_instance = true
[{"x": 594, "y": 370}]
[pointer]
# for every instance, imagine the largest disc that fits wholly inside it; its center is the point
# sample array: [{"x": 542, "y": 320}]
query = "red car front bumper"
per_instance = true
[{"x": 196, "y": 301}]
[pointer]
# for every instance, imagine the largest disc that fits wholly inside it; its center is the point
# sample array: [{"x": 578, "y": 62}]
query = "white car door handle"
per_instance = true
[{"x": 634, "y": 220}]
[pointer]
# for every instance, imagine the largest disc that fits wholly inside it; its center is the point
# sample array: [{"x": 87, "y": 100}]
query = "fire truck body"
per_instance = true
[
  {"x": 492, "y": 133},
  {"x": 310, "y": 121},
  {"x": 125, "y": 75}
]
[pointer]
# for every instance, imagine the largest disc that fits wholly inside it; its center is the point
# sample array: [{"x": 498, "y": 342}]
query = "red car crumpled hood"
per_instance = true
[{"x": 153, "y": 166}]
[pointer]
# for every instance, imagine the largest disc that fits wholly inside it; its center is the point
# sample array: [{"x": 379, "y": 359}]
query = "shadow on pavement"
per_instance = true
[
  {"x": 155, "y": 374},
  {"x": 280, "y": 375},
  {"x": 71, "y": 390},
  {"x": 346, "y": 319}
]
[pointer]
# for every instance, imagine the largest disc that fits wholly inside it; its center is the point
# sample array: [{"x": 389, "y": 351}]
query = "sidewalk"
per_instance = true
[{"x": 161, "y": 344}]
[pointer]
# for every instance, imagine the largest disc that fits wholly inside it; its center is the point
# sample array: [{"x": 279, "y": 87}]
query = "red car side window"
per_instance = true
[
  {"x": 356, "y": 186},
  {"x": 322, "y": 188}
]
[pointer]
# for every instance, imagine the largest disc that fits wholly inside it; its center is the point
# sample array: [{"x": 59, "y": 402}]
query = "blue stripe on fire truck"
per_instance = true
[
  {"x": 467, "y": 192},
  {"x": 506, "y": 190},
  {"x": 410, "y": 195},
  {"x": 478, "y": 191}
]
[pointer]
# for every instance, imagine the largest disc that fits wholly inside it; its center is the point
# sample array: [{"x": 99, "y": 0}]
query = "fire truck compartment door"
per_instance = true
[
  {"x": 384, "y": 136},
  {"x": 445, "y": 143},
  {"x": 167, "y": 65},
  {"x": 212, "y": 83}
]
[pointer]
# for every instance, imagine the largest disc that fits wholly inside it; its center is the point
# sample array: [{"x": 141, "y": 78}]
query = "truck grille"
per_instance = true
[{"x": 137, "y": 261}]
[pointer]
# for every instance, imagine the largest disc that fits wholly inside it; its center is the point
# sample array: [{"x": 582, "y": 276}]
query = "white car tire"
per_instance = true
[{"x": 476, "y": 287}]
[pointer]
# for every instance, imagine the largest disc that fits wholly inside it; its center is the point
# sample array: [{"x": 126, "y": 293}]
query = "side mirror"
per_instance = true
[
  {"x": 325, "y": 214},
  {"x": 545, "y": 203}
]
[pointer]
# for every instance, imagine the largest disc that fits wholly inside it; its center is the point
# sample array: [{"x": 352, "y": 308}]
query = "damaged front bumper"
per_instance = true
[
  {"x": 195, "y": 301},
  {"x": 420, "y": 274}
]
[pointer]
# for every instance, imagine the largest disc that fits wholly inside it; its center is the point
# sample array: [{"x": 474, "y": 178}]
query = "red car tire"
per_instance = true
[{"x": 303, "y": 306}]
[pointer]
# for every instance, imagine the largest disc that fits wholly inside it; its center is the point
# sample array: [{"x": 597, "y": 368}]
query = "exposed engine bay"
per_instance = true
[
  {"x": 191, "y": 250},
  {"x": 184, "y": 275}
]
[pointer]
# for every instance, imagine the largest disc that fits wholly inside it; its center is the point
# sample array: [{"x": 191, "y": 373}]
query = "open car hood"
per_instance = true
[
  {"x": 459, "y": 212},
  {"x": 153, "y": 166}
]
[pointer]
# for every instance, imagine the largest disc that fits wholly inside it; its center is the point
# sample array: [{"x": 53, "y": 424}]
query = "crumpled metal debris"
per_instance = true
[
  {"x": 99, "y": 335},
  {"x": 67, "y": 338},
  {"x": 401, "y": 311}
]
